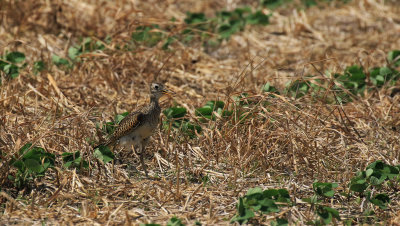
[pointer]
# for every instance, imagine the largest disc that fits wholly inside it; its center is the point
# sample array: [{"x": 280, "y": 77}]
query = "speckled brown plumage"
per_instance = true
[
  {"x": 137, "y": 127},
  {"x": 133, "y": 121}
]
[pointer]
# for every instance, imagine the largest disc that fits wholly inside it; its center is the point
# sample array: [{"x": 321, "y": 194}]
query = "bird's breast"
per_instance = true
[
  {"x": 145, "y": 131},
  {"x": 137, "y": 136}
]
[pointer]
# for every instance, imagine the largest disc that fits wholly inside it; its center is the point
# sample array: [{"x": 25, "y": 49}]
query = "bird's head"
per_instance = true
[{"x": 157, "y": 90}]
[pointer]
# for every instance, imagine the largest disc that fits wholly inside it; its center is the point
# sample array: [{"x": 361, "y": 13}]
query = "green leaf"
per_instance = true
[
  {"x": 268, "y": 206},
  {"x": 203, "y": 111},
  {"x": 355, "y": 73},
  {"x": 11, "y": 178},
  {"x": 252, "y": 191},
  {"x": 248, "y": 214},
  {"x": 368, "y": 212},
  {"x": 38, "y": 66},
  {"x": 118, "y": 118},
  {"x": 283, "y": 196},
  {"x": 189, "y": 129},
  {"x": 324, "y": 189},
  {"x": 174, "y": 221},
  {"x": 270, "y": 193},
  {"x": 377, "y": 181},
  {"x": 24, "y": 149},
  {"x": 273, "y": 4},
  {"x": 381, "y": 172},
  {"x": 269, "y": 88},
  {"x": 369, "y": 172},
  {"x": 195, "y": 18},
  {"x": 243, "y": 214},
  {"x": 86, "y": 45},
  {"x": 380, "y": 75},
  {"x": 2, "y": 64},
  {"x": 280, "y": 195},
  {"x": 147, "y": 35},
  {"x": 59, "y": 61},
  {"x": 109, "y": 127},
  {"x": 280, "y": 222},
  {"x": 243, "y": 10},
  {"x": 141, "y": 34},
  {"x": 73, "y": 160},
  {"x": 309, "y": 3},
  {"x": 224, "y": 16},
  {"x": 168, "y": 42},
  {"x": 207, "y": 110},
  {"x": 35, "y": 153},
  {"x": 358, "y": 187},
  {"x": 73, "y": 53},
  {"x": 394, "y": 56},
  {"x": 68, "y": 164},
  {"x": 353, "y": 79},
  {"x": 241, "y": 208},
  {"x": 332, "y": 211},
  {"x": 31, "y": 157},
  {"x": 297, "y": 88},
  {"x": 391, "y": 172},
  {"x": 382, "y": 200},
  {"x": 19, "y": 165},
  {"x": 104, "y": 154},
  {"x": 99, "y": 45},
  {"x": 175, "y": 112},
  {"x": 15, "y": 57},
  {"x": 329, "y": 193},
  {"x": 327, "y": 214},
  {"x": 312, "y": 200},
  {"x": 378, "y": 165},
  {"x": 227, "y": 113},
  {"x": 11, "y": 70},
  {"x": 215, "y": 104},
  {"x": 49, "y": 157},
  {"x": 69, "y": 156},
  {"x": 34, "y": 165},
  {"x": 175, "y": 120},
  {"x": 385, "y": 71},
  {"x": 225, "y": 31},
  {"x": 258, "y": 18}
]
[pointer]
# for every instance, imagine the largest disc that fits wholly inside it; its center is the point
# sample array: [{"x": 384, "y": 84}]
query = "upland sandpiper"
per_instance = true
[{"x": 135, "y": 129}]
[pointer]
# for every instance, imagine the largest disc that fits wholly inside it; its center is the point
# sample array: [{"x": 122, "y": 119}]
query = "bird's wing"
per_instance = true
[{"x": 129, "y": 123}]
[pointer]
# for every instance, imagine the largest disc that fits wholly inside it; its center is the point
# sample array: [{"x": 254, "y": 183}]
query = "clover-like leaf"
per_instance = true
[
  {"x": 15, "y": 57},
  {"x": 34, "y": 165},
  {"x": 175, "y": 112},
  {"x": 104, "y": 154}
]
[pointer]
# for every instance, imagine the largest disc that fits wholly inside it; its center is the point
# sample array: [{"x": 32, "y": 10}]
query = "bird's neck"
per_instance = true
[
  {"x": 155, "y": 109},
  {"x": 154, "y": 101}
]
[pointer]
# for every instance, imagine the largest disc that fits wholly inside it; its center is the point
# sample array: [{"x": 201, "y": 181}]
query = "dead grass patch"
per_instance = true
[{"x": 287, "y": 144}]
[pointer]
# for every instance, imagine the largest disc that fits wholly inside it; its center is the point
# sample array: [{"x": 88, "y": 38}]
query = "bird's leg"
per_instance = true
[
  {"x": 143, "y": 165},
  {"x": 129, "y": 145},
  {"x": 130, "y": 166},
  {"x": 142, "y": 150}
]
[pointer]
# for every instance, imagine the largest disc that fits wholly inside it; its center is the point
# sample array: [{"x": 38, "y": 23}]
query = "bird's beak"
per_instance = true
[{"x": 168, "y": 92}]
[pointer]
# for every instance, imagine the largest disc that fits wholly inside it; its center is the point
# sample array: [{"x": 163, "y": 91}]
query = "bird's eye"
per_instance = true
[{"x": 156, "y": 86}]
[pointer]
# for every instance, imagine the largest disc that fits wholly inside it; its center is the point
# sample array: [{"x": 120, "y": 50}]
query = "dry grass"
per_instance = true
[{"x": 309, "y": 140}]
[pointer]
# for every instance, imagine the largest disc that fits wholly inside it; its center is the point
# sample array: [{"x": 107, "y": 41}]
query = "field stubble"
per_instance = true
[{"x": 288, "y": 143}]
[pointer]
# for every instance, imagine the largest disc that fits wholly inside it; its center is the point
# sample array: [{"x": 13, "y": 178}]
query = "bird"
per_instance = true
[{"x": 137, "y": 127}]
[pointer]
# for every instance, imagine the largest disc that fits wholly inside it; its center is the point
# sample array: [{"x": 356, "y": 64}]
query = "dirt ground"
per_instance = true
[{"x": 199, "y": 179}]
